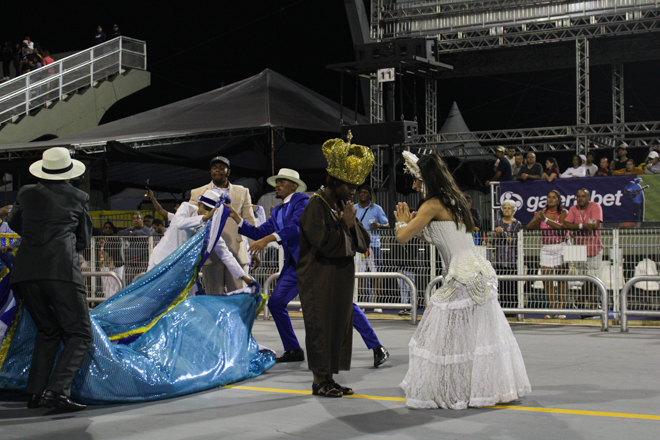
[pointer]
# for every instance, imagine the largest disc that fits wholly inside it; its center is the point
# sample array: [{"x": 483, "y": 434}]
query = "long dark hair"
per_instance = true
[
  {"x": 439, "y": 183},
  {"x": 554, "y": 163},
  {"x": 560, "y": 207}
]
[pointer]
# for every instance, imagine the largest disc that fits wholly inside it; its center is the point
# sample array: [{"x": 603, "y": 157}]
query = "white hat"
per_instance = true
[
  {"x": 288, "y": 174},
  {"x": 653, "y": 155},
  {"x": 583, "y": 158},
  {"x": 209, "y": 198},
  {"x": 56, "y": 164}
]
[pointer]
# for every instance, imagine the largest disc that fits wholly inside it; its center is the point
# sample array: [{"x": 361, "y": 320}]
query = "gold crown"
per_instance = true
[{"x": 346, "y": 162}]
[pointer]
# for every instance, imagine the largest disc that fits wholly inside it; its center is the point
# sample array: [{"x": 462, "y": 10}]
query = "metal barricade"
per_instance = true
[
  {"x": 522, "y": 310},
  {"x": 102, "y": 274},
  {"x": 623, "y": 298},
  {"x": 362, "y": 275}
]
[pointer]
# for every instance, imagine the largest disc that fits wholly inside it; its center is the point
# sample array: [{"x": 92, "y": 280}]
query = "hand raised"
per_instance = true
[
  {"x": 402, "y": 213},
  {"x": 233, "y": 214},
  {"x": 348, "y": 214}
]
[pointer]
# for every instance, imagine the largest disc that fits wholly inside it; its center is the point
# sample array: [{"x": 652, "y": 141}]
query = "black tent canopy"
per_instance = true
[{"x": 261, "y": 123}]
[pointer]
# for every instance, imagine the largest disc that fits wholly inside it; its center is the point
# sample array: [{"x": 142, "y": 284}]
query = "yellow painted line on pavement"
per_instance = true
[{"x": 515, "y": 408}]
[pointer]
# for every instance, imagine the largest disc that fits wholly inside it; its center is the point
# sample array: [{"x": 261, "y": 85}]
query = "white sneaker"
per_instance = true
[{"x": 378, "y": 310}]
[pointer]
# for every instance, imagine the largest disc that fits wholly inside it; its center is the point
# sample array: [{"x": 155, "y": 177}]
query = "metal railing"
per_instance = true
[
  {"x": 55, "y": 81},
  {"x": 364, "y": 275},
  {"x": 102, "y": 274},
  {"x": 623, "y": 298},
  {"x": 523, "y": 310}
]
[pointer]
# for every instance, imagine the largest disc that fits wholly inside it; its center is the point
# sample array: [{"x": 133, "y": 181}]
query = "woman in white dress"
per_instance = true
[{"x": 463, "y": 352}]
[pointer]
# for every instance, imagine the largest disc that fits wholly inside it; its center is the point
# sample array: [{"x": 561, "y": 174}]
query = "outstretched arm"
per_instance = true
[{"x": 157, "y": 205}]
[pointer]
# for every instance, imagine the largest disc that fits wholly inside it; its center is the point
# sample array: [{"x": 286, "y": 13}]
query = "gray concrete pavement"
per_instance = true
[{"x": 597, "y": 382}]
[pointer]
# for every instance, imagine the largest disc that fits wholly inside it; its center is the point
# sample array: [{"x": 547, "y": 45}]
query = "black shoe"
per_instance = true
[
  {"x": 34, "y": 401},
  {"x": 380, "y": 355},
  {"x": 60, "y": 401},
  {"x": 297, "y": 355}
]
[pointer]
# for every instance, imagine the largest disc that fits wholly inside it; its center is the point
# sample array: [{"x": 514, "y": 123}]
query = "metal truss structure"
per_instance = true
[
  {"x": 636, "y": 134},
  {"x": 529, "y": 35}
]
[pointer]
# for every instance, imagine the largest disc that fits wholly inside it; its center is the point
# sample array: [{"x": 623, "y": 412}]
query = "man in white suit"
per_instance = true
[{"x": 215, "y": 274}]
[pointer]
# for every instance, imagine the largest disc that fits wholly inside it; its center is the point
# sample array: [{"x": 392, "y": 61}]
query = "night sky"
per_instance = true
[{"x": 199, "y": 46}]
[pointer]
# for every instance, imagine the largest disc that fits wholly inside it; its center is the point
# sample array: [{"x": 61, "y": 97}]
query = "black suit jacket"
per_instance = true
[{"x": 53, "y": 221}]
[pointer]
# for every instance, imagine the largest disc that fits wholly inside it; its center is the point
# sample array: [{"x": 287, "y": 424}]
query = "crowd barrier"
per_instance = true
[
  {"x": 626, "y": 253},
  {"x": 644, "y": 280},
  {"x": 358, "y": 276}
]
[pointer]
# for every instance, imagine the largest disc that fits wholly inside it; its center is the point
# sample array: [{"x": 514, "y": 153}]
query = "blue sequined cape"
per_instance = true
[{"x": 152, "y": 341}]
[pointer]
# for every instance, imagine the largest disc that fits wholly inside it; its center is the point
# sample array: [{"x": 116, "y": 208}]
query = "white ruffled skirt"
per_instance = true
[{"x": 464, "y": 354}]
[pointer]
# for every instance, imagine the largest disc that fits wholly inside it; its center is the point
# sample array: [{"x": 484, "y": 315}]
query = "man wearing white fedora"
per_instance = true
[
  {"x": 283, "y": 226},
  {"x": 53, "y": 220}
]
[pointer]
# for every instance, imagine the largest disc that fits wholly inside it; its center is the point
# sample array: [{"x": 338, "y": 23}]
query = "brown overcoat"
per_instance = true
[{"x": 326, "y": 276}]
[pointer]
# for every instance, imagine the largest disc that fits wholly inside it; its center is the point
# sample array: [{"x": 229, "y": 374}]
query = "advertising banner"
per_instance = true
[{"x": 633, "y": 198}]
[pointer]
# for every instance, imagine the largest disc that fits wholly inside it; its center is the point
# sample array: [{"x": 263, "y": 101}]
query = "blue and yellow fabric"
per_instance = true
[{"x": 152, "y": 341}]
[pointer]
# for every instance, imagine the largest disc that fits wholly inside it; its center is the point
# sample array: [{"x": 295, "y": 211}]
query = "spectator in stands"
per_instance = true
[
  {"x": 25, "y": 60},
  {"x": 511, "y": 155},
  {"x": 584, "y": 220},
  {"x": 551, "y": 170},
  {"x": 476, "y": 215},
  {"x": 550, "y": 221},
  {"x": 137, "y": 251},
  {"x": 110, "y": 258},
  {"x": 506, "y": 252},
  {"x": 18, "y": 53},
  {"x": 516, "y": 165},
  {"x": 29, "y": 44},
  {"x": 652, "y": 165},
  {"x": 604, "y": 169},
  {"x": 149, "y": 221},
  {"x": 590, "y": 166},
  {"x": 531, "y": 170},
  {"x": 100, "y": 36},
  {"x": 373, "y": 218},
  {"x": 159, "y": 227},
  {"x": 47, "y": 59},
  {"x": 576, "y": 169},
  {"x": 628, "y": 170},
  {"x": 503, "y": 170},
  {"x": 115, "y": 32},
  {"x": 622, "y": 153},
  {"x": 7, "y": 58}
]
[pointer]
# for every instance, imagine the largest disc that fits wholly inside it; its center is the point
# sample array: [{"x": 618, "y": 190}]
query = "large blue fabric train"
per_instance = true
[{"x": 151, "y": 341}]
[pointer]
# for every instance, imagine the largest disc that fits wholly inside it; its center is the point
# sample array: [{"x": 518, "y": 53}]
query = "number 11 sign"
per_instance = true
[{"x": 386, "y": 75}]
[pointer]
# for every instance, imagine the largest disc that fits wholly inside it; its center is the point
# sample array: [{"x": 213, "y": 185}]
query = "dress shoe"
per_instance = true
[
  {"x": 34, "y": 401},
  {"x": 380, "y": 355},
  {"x": 297, "y": 355},
  {"x": 60, "y": 401}
]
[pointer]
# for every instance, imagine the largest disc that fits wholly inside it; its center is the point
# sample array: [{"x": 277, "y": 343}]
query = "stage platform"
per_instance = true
[{"x": 586, "y": 384}]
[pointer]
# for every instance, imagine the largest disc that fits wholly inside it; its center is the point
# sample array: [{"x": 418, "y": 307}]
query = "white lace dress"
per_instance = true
[{"x": 463, "y": 352}]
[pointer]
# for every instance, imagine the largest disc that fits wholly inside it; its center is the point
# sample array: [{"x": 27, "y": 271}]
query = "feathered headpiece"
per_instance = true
[
  {"x": 410, "y": 166},
  {"x": 346, "y": 162}
]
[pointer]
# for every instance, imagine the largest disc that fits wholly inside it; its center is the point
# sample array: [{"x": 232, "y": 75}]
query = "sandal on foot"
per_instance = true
[
  {"x": 325, "y": 389},
  {"x": 346, "y": 391}
]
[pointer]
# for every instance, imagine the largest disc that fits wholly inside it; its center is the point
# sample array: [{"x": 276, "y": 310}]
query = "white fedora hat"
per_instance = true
[
  {"x": 209, "y": 198},
  {"x": 288, "y": 174},
  {"x": 56, "y": 164}
]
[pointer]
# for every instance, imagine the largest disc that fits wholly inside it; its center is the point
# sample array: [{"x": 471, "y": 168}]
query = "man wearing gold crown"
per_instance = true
[{"x": 329, "y": 238}]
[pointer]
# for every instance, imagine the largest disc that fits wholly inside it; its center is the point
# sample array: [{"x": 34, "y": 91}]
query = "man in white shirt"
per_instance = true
[{"x": 653, "y": 167}]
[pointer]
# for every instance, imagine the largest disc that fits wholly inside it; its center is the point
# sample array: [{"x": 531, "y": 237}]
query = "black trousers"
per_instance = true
[{"x": 59, "y": 309}]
